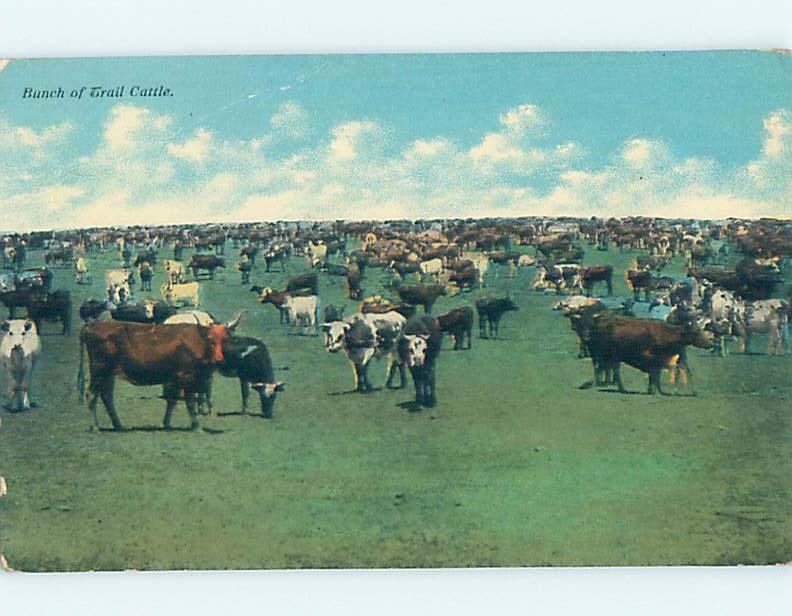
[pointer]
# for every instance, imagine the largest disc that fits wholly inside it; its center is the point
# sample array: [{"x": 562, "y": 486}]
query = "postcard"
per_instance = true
[{"x": 395, "y": 311}]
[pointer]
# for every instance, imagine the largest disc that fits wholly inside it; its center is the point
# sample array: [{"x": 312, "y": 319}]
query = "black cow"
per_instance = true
[
  {"x": 92, "y": 309},
  {"x": 248, "y": 360},
  {"x": 149, "y": 312},
  {"x": 55, "y": 306},
  {"x": 490, "y": 312}
]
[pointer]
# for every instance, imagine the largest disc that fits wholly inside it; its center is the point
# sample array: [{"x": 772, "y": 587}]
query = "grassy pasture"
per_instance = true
[{"x": 515, "y": 466}]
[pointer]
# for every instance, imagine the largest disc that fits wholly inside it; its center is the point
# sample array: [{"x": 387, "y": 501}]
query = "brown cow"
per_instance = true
[
  {"x": 648, "y": 345},
  {"x": 420, "y": 294},
  {"x": 458, "y": 323},
  {"x": 180, "y": 357}
]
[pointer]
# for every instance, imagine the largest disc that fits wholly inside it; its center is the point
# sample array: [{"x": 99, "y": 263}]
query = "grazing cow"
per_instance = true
[
  {"x": 20, "y": 348},
  {"x": 420, "y": 295},
  {"x": 248, "y": 360},
  {"x": 180, "y": 357},
  {"x": 335, "y": 269},
  {"x": 419, "y": 347},
  {"x": 147, "y": 312},
  {"x": 648, "y": 345},
  {"x": 53, "y": 306},
  {"x": 640, "y": 280},
  {"x": 653, "y": 263},
  {"x": 187, "y": 294},
  {"x": 593, "y": 274},
  {"x": 490, "y": 312},
  {"x": 175, "y": 271},
  {"x": 119, "y": 277},
  {"x": 208, "y": 263},
  {"x": 458, "y": 323}
]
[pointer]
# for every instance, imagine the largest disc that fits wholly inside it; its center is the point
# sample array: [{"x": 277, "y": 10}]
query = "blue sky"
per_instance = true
[{"x": 274, "y": 137}]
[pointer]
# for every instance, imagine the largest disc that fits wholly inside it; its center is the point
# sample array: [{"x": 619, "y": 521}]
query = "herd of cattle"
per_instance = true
[{"x": 730, "y": 290}]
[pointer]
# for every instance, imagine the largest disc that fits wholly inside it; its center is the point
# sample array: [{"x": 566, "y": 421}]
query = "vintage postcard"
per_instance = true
[{"x": 396, "y": 311}]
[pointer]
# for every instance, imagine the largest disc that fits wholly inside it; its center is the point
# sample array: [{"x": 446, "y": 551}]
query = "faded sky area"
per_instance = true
[{"x": 247, "y": 138}]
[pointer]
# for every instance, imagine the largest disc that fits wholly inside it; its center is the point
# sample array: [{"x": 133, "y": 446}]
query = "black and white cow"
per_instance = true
[
  {"x": 419, "y": 347},
  {"x": 366, "y": 336}
]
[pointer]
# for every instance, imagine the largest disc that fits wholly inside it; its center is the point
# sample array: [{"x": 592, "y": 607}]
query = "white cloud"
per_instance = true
[
  {"x": 141, "y": 172},
  {"x": 195, "y": 149},
  {"x": 291, "y": 120},
  {"x": 348, "y": 137}
]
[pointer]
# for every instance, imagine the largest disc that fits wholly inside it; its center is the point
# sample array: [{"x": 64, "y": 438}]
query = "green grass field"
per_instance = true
[{"x": 516, "y": 466}]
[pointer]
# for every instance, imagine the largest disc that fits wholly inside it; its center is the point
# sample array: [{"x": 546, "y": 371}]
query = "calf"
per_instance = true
[
  {"x": 458, "y": 323},
  {"x": 20, "y": 349},
  {"x": 175, "y": 271},
  {"x": 490, "y": 312}
]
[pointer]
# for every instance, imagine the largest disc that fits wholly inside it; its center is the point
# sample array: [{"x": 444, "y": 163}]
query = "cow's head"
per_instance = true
[
  {"x": 416, "y": 349},
  {"x": 334, "y": 335},
  {"x": 218, "y": 334},
  {"x": 17, "y": 333},
  {"x": 265, "y": 295}
]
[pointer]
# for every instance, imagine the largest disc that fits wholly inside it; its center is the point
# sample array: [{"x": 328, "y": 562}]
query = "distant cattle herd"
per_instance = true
[{"x": 732, "y": 288}]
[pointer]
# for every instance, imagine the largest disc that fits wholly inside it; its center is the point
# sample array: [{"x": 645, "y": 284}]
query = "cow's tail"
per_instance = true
[{"x": 81, "y": 369}]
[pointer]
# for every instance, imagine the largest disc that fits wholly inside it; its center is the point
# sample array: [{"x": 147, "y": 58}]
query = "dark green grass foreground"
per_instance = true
[{"x": 515, "y": 466}]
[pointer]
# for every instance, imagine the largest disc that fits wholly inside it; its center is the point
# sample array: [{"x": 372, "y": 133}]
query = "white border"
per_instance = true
[{"x": 39, "y": 28}]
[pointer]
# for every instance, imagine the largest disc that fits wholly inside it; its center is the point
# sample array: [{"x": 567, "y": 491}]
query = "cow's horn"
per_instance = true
[{"x": 234, "y": 323}]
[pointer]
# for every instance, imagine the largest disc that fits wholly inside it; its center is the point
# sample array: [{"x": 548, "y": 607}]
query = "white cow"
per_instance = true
[
  {"x": 771, "y": 317},
  {"x": 175, "y": 271},
  {"x": 574, "y": 303},
  {"x": 20, "y": 349},
  {"x": 186, "y": 294},
  {"x": 432, "y": 267},
  {"x": 303, "y": 311}
]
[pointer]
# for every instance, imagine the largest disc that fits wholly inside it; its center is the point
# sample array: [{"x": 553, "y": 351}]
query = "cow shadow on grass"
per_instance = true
[
  {"x": 241, "y": 414},
  {"x": 125, "y": 429},
  {"x": 354, "y": 391},
  {"x": 410, "y": 405}
]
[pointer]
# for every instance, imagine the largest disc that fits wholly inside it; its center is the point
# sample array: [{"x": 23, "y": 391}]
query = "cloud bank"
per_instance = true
[{"x": 146, "y": 170}]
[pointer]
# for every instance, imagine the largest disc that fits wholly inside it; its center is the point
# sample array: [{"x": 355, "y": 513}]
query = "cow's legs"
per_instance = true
[
  {"x": 106, "y": 392},
  {"x": 171, "y": 393},
  {"x": 244, "y": 387},
  {"x": 430, "y": 399},
  {"x": 482, "y": 326},
  {"x": 616, "y": 371},
  {"x": 190, "y": 400}
]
